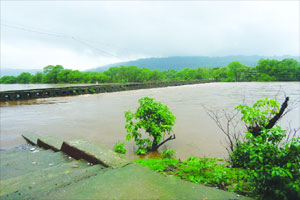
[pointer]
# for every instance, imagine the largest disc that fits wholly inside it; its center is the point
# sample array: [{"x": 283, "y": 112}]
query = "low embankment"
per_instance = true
[{"x": 90, "y": 89}]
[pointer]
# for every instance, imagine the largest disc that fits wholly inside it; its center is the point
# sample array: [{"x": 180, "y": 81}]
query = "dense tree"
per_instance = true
[
  {"x": 24, "y": 77},
  {"x": 37, "y": 78},
  {"x": 8, "y": 79},
  {"x": 50, "y": 73},
  {"x": 64, "y": 76},
  {"x": 235, "y": 70},
  {"x": 266, "y": 70},
  {"x": 144, "y": 75},
  {"x": 274, "y": 70}
]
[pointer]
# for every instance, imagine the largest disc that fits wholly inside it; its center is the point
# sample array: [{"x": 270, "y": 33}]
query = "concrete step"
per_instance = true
[
  {"x": 94, "y": 153},
  {"x": 27, "y": 161},
  {"x": 80, "y": 149},
  {"x": 50, "y": 142},
  {"x": 47, "y": 142},
  {"x": 31, "y": 138},
  {"x": 35, "y": 184}
]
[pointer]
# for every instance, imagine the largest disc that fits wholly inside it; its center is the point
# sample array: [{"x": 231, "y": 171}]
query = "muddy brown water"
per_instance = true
[{"x": 100, "y": 117}]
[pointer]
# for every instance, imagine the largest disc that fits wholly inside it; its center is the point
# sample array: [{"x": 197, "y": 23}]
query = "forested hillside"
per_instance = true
[
  {"x": 192, "y": 62},
  {"x": 266, "y": 70}
]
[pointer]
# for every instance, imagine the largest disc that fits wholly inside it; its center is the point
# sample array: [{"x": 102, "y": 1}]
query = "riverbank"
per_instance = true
[
  {"x": 34, "y": 172},
  {"x": 16, "y": 95}
]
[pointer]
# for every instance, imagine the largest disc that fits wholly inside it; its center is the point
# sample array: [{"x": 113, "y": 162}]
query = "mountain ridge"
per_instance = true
[
  {"x": 166, "y": 63},
  {"x": 180, "y": 62}
]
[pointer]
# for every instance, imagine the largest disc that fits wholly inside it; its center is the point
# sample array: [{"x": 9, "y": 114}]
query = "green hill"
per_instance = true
[{"x": 180, "y": 62}]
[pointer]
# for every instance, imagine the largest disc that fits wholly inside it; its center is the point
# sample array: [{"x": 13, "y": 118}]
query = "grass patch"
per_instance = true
[{"x": 212, "y": 172}]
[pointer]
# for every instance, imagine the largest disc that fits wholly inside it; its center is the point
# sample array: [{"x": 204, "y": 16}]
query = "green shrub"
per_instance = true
[
  {"x": 154, "y": 119},
  {"x": 168, "y": 153},
  {"x": 119, "y": 147},
  {"x": 274, "y": 164}
]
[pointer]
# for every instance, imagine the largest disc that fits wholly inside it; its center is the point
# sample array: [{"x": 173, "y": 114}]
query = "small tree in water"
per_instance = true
[{"x": 152, "y": 118}]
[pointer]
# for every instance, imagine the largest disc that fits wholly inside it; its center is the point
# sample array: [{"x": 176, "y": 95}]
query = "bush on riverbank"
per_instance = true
[
  {"x": 274, "y": 163},
  {"x": 264, "y": 164}
]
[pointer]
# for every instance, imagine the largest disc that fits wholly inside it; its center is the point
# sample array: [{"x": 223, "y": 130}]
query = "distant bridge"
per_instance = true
[{"x": 16, "y": 95}]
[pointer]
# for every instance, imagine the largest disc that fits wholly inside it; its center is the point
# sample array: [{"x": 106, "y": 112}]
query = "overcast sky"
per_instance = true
[{"x": 82, "y": 35}]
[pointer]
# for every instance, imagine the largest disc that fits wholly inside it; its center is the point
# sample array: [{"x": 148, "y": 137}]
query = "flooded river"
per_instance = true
[{"x": 100, "y": 117}]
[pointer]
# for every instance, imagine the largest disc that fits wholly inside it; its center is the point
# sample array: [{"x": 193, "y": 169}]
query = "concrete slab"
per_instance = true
[
  {"x": 28, "y": 162},
  {"x": 94, "y": 153},
  {"x": 50, "y": 142},
  {"x": 137, "y": 182},
  {"x": 32, "y": 185},
  {"x": 44, "y": 174},
  {"x": 31, "y": 138}
]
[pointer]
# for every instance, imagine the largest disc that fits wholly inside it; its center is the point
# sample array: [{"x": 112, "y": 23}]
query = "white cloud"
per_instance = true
[
  {"x": 40, "y": 55},
  {"x": 131, "y": 30}
]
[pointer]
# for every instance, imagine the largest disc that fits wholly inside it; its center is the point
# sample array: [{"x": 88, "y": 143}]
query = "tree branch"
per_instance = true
[
  {"x": 273, "y": 121},
  {"x": 255, "y": 130},
  {"x": 172, "y": 137}
]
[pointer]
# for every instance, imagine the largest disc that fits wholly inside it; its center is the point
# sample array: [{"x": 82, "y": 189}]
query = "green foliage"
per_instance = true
[
  {"x": 152, "y": 118},
  {"x": 235, "y": 69},
  {"x": 274, "y": 164},
  {"x": 266, "y": 70},
  {"x": 259, "y": 114},
  {"x": 119, "y": 148},
  {"x": 168, "y": 153},
  {"x": 37, "y": 78},
  {"x": 274, "y": 70},
  {"x": 157, "y": 164},
  {"x": 92, "y": 90},
  {"x": 8, "y": 80},
  {"x": 209, "y": 171},
  {"x": 24, "y": 77},
  {"x": 50, "y": 73}
]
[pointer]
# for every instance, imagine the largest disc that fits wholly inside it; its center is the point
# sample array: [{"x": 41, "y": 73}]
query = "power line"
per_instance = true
[
  {"x": 31, "y": 30},
  {"x": 52, "y": 32},
  {"x": 80, "y": 40}
]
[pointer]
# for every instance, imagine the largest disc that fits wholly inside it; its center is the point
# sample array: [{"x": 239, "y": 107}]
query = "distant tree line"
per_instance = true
[{"x": 266, "y": 70}]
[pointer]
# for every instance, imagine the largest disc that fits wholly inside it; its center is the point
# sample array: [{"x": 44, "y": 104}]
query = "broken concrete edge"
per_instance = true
[
  {"x": 31, "y": 138},
  {"x": 45, "y": 145},
  {"x": 68, "y": 149},
  {"x": 78, "y": 154},
  {"x": 50, "y": 142},
  {"x": 99, "y": 152}
]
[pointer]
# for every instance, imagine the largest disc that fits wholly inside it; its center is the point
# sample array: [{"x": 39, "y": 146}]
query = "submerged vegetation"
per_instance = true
[
  {"x": 119, "y": 148},
  {"x": 151, "y": 118},
  {"x": 265, "y": 70}
]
